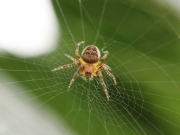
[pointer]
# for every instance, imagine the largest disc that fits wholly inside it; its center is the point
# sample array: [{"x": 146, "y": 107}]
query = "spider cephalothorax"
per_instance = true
[{"x": 89, "y": 65}]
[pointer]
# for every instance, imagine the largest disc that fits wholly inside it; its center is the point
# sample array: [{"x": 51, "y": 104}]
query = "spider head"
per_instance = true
[{"x": 91, "y": 54}]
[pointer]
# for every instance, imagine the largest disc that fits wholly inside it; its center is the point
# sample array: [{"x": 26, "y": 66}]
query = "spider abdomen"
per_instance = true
[{"x": 91, "y": 54}]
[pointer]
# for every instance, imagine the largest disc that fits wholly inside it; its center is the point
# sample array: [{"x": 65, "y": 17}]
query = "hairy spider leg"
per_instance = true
[
  {"x": 107, "y": 66},
  {"x": 109, "y": 73},
  {"x": 103, "y": 84},
  {"x": 105, "y": 55},
  {"x": 72, "y": 80},
  {"x": 102, "y": 58},
  {"x": 70, "y": 57},
  {"x": 77, "y": 52},
  {"x": 65, "y": 66}
]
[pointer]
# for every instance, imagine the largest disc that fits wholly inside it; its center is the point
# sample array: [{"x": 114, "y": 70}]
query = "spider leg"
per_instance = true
[
  {"x": 65, "y": 66},
  {"x": 106, "y": 69},
  {"x": 70, "y": 57},
  {"x": 84, "y": 78},
  {"x": 72, "y": 80},
  {"x": 103, "y": 58},
  {"x": 107, "y": 66},
  {"x": 91, "y": 78},
  {"x": 105, "y": 55},
  {"x": 103, "y": 84},
  {"x": 77, "y": 51}
]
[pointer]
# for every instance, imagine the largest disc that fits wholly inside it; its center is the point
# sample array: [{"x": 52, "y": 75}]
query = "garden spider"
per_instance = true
[{"x": 89, "y": 65}]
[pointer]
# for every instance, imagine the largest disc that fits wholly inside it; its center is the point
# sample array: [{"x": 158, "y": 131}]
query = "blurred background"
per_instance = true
[{"x": 143, "y": 40}]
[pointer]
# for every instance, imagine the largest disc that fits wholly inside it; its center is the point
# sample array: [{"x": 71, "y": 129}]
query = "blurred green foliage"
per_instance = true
[{"x": 143, "y": 41}]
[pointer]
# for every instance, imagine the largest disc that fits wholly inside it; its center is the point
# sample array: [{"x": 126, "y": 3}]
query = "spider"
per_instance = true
[{"x": 89, "y": 65}]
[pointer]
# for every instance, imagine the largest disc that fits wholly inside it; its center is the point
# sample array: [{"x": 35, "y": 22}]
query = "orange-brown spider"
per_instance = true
[{"x": 89, "y": 65}]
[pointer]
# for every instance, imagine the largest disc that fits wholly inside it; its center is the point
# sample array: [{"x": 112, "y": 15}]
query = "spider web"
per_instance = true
[{"x": 143, "y": 43}]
